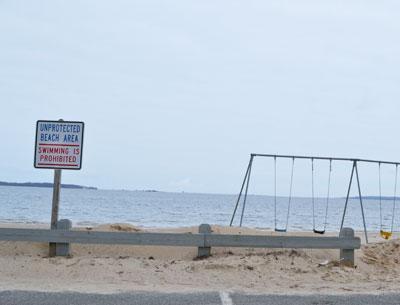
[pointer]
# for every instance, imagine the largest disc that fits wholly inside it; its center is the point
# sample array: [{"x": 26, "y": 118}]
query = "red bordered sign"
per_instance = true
[{"x": 59, "y": 144}]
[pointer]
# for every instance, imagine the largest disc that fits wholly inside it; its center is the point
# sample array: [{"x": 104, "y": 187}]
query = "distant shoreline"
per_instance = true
[
  {"x": 375, "y": 197},
  {"x": 46, "y": 185},
  {"x": 77, "y": 186}
]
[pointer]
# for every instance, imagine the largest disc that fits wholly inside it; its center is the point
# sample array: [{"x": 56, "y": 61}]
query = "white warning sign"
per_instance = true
[{"x": 58, "y": 144}]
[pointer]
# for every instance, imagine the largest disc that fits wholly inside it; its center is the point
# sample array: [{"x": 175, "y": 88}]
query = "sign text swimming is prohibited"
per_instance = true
[{"x": 58, "y": 144}]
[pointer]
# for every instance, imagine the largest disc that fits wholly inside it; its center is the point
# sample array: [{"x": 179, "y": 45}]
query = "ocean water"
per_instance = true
[{"x": 162, "y": 209}]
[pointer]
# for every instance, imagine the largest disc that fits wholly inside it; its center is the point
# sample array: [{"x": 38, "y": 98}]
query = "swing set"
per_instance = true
[{"x": 386, "y": 234}]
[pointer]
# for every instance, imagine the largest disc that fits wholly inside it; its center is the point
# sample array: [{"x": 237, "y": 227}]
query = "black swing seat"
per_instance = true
[
  {"x": 280, "y": 230},
  {"x": 319, "y": 231}
]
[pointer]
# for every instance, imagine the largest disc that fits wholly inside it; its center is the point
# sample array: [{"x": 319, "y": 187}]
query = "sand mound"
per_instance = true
[
  {"x": 385, "y": 255},
  {"x": 118, "y": 227}
]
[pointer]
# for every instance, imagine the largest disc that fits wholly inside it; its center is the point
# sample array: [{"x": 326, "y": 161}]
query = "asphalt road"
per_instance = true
[{"x": 70, "y": 298}]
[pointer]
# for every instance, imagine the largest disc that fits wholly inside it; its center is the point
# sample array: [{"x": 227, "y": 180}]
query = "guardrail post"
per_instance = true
[
  {"x": 63, "y": 249},
  {"x": 347, "y": 255},
  {"x": 204, "y": 251}
]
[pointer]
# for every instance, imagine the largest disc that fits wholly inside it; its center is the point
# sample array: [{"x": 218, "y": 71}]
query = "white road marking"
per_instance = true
[{"x": 225, "y": 298}]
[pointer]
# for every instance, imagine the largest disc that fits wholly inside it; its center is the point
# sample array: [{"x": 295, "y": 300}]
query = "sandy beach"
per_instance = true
[{"x": 109, "y": 269}]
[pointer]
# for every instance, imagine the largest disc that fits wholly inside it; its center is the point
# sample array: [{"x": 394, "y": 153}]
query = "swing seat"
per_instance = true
[
  {"x": 385, "y": 234},
  {"x": 319, "y": 231},
  {"x": 280, "y": 230}
]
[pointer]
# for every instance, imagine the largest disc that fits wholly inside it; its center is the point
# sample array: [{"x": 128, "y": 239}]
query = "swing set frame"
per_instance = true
[{"x": 354, "y": 172}]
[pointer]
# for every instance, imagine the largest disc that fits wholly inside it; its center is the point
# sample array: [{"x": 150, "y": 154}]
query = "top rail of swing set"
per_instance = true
[{"x": 324, "y": 158}]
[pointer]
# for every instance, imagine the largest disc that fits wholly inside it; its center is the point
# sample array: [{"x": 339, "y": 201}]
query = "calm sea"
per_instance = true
[{"x": 161, "y": 209}]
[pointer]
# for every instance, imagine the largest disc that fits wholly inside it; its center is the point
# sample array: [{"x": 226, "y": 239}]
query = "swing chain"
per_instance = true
[
  {"x": 394, "y": 198},
  {"x": 312, "y": 191},
  {"x": 290, "y": 195},
  {"x": 387, "y": 234},
  {"x": 275, "y": 187},
  {"x": 313, "y": 197},
  {"x": 328, "y": 194},
  {"x": 380, "y": 196}
]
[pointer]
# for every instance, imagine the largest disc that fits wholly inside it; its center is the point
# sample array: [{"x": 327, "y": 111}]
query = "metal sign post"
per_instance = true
[
  {"x": 58, "y": 146},
  {"x": 54, "y": 207}
]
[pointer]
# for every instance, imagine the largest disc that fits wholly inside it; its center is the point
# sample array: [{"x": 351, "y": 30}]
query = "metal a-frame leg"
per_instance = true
[
  {"x": 355, "y": 169},
  {"x": 348, "y": 195},
  {"x": 241, "y": 190},
  {"x": 245, "y": 193},
  {"x": 361, "y": 205}
]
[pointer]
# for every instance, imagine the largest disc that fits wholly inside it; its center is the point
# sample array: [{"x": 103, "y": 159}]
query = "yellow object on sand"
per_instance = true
[{"x": 386, "y": 234}]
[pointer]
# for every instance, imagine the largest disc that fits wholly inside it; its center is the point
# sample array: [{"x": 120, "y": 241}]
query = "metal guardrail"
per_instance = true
[
  {"x": 92, "y": 237},
  {"x": 203, "y": 240}
]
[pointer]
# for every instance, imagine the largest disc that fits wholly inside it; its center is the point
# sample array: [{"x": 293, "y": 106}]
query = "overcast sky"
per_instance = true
[{"x": 175, "y": 95}]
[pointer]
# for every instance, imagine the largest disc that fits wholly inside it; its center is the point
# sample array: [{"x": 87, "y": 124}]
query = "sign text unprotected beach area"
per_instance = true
[{"x": 59, "y": 144}]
